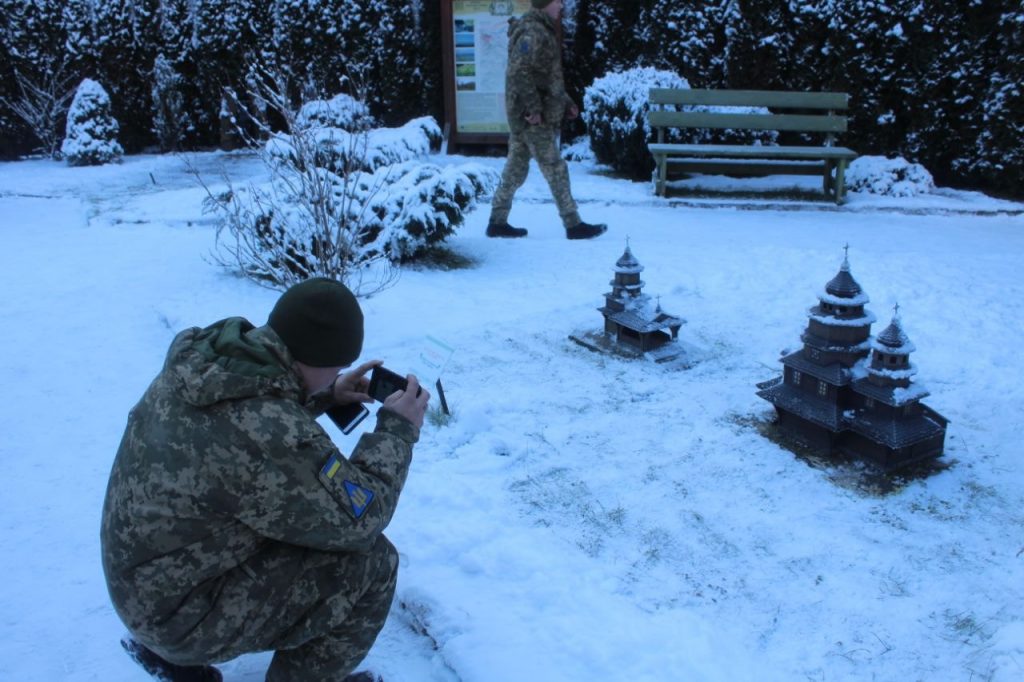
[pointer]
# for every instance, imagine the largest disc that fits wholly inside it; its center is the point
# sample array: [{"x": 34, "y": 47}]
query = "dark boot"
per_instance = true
[
  {"x": 164, "y": 670},
  {"x": 584, "y": 230},
  {"x": 504, "y": 230}
]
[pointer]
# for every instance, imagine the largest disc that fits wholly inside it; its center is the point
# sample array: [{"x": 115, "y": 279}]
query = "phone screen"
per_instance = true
[{"x": 384, "y": 382}]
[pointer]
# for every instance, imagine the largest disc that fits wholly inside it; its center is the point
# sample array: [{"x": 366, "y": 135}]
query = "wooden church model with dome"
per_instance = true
[
  {"x": 634, "y": 325},
  {"x": 846, "y": 393},
  {"x": 628, "y": 314}
]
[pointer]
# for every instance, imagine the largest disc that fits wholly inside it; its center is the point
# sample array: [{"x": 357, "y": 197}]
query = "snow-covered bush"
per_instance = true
[
  {"x": 341, "y": 111},
  {"x": 337, "y": 215},
  {"x": 339, "y": 150},
  {"x": 890, "y": 177},
  {"x": 91, "y": 137},
  {"x": 616, "y": 108},
  {"x": 341, "y": 225}
]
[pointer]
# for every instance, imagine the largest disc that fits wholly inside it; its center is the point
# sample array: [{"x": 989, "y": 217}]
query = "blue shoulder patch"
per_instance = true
[
  {"x": 359, "y": 497},
  {"x": 524, "y": 46}
]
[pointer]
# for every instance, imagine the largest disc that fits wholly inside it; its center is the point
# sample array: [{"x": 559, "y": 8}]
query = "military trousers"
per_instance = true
[
  {"x": 320, "y": 612},
  {"x": 537, "y": 142}
]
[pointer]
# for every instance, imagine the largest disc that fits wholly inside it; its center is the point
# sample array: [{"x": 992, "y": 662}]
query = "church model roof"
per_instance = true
[
  {"x": 893, "y": 339},
  {"x": 843, "y": 285},
  {"x": 628, "y": 263}
]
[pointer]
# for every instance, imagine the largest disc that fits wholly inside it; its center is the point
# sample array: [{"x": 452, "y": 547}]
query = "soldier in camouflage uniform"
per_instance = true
[
  {"x": 536, "y": 103},
  {"x": 232, "y": 523}
]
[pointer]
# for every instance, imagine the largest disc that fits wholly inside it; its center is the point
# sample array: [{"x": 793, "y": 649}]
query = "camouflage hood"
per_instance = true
[{"x": 230, "y": 360}]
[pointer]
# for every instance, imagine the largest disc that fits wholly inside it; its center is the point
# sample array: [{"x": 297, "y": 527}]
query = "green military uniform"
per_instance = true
[
  {"x": 534, "y": 85},
  {"x": 232, "y": 524}
]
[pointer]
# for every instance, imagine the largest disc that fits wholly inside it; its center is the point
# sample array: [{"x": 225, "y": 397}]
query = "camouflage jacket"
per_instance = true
[
  {"x": 223, "y": 455},
  {"x": 533, "y": 79}
]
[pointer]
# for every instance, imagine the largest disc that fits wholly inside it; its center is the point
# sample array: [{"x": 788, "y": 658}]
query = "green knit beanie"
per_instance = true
[
  {"x": 320, "y": 322},
  {"x": 540, "y": 4}
]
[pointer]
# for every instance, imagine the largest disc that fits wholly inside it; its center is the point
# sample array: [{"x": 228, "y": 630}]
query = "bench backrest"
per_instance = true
[{"x": 826, "y": 122}]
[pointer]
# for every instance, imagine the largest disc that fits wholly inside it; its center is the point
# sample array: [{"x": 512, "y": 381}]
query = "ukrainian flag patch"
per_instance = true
[
  {"x": 359, "y": 497},
  {"x": 331, "y": 467}
]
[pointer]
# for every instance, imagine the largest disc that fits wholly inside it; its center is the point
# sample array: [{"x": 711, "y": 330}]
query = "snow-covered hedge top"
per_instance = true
[
  {"x": 90, "y": 90},
  {"x": 341, "y": 111},
  {"x": 889, "y": 177},
  {"x": 632, "y": 87},
  {"x": 369, "y": 150}
]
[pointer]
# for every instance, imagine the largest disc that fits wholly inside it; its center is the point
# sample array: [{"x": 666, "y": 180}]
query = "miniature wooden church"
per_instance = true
[
  {"x": 846, "y": 393},
  {"x": 629, "y": 315}
]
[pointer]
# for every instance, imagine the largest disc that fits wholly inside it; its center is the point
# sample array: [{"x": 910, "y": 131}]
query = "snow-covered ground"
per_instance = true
[{"x": 582, "y": 517}]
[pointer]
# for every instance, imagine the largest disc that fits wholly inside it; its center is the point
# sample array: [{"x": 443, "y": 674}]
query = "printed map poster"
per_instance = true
[{"x": 481, "y": 53}]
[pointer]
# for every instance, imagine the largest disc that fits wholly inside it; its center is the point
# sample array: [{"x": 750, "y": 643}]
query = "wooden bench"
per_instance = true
[{"x": 827, "y": 160}]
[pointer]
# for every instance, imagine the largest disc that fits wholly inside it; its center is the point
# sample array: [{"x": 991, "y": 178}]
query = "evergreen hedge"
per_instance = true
[{"x": 938, "y": 83}]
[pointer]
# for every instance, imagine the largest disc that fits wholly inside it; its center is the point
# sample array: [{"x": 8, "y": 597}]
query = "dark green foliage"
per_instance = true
[
  {"x": 123, "y": 48},
  {"x": 936, "y": 81},
  {"x": 684, "y": 31}
]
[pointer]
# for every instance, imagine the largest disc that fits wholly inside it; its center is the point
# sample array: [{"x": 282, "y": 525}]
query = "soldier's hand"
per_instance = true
[
  {"x": 407, "y": 403},
  {"x": 533, "y": 119},
  {"x": 572, "y": 112},
  {"x": 351, "y": 387}
]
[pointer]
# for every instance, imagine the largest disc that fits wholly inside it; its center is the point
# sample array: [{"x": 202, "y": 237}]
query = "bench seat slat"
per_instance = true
[
  {"x": 751, "y": 152},
  {"x": 746, "y": 167},
  {"x": 706, "y": 119},
  {"x": 756, "y": 98}
]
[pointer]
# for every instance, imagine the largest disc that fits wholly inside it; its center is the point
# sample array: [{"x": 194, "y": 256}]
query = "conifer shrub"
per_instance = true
[
  {"x": 91, "y": 138},
  {"x": 350, "y": 210},
  {"x": 888, "y": 177},
  {"x": 615, "y": 109}
]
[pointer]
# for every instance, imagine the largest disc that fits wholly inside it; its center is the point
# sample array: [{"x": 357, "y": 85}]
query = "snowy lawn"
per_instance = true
[{"x": 581, "y": 517}]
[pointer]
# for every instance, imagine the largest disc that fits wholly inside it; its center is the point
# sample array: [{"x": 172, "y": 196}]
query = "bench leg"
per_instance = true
[
  {"x": 840, "y": 181},
  {"x": 662, "y": 174},
  {"x": 826, "y": 179}
]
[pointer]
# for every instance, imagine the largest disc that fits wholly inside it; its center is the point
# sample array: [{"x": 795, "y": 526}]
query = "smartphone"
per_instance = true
[
  {"x": 347, "y": 417},
  {"x": 384, "y": 382}
]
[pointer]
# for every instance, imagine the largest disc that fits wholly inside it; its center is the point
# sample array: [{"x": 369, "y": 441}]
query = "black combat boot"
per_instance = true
[
  {"x": 504, "y": 230},
  {"x": 584, "y": 230},
  {"x": 165, "y": 671}
]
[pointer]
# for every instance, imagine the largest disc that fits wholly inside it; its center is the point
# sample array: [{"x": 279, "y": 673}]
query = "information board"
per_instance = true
[{"x": 476, "y": 54}]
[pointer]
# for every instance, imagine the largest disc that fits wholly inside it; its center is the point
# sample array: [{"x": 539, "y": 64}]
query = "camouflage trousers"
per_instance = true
[
  {"x": 537, "y": 142},
  {"x": 320, "y": 612}
]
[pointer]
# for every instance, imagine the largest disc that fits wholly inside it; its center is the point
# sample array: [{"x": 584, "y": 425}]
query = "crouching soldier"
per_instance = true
[{"x": 232, "y": 524}]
